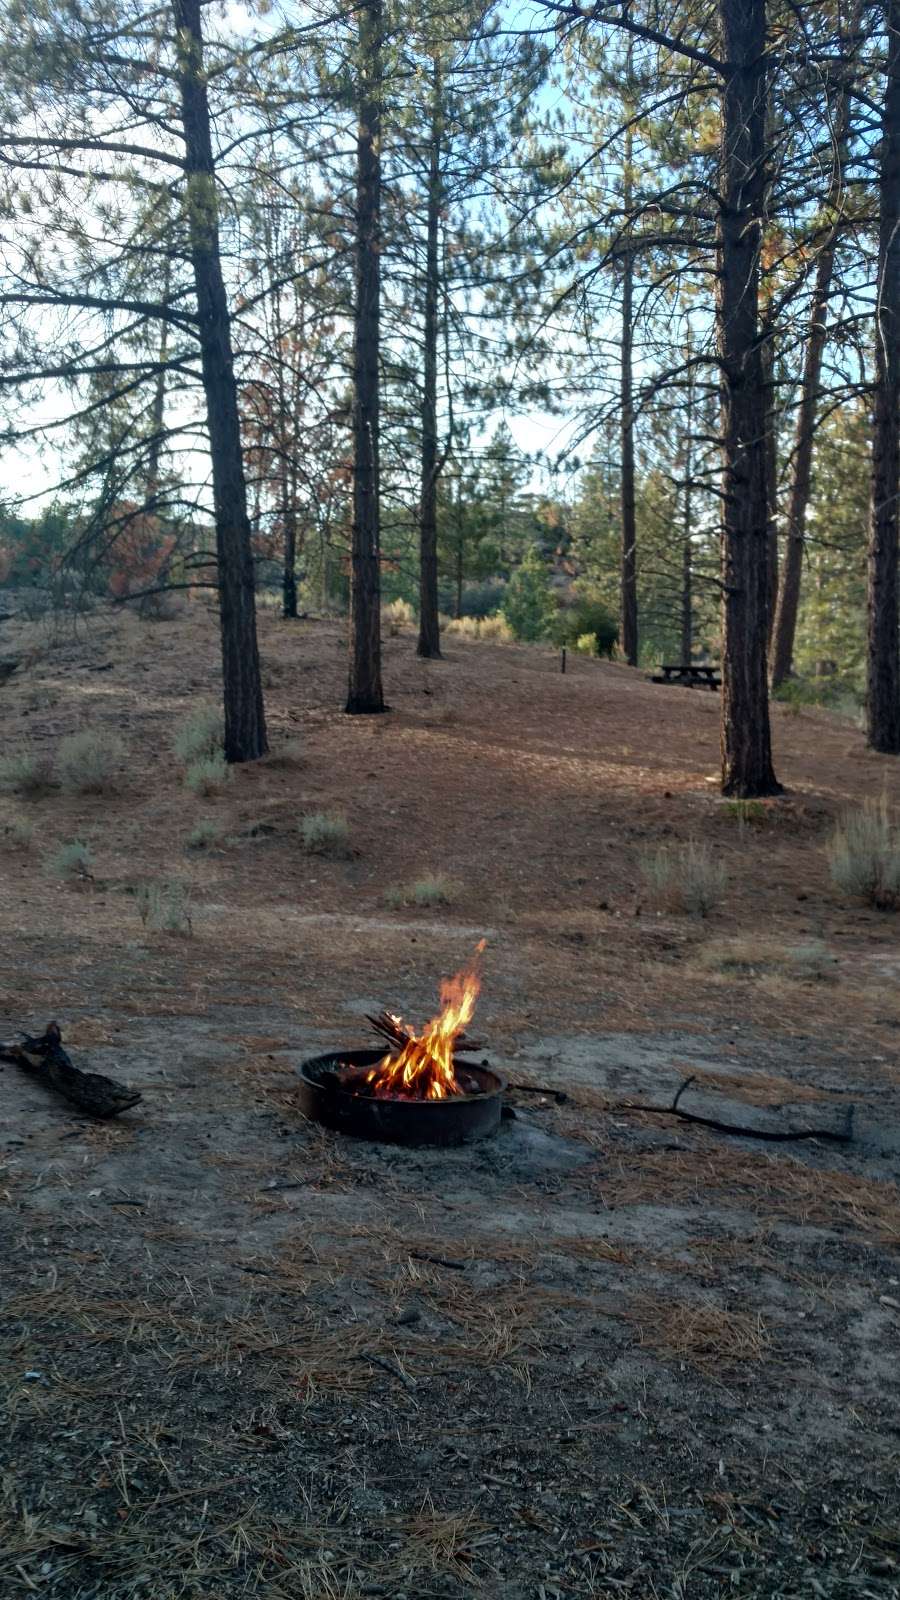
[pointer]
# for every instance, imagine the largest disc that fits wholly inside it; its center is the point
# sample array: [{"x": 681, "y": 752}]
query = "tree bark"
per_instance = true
[
  {"x": 883, "y": 658},
  {"x": 158, "y": 411},
  {"x": 245, "y": 726},
  {"x": 687, "y": 551},
  {"x": 365, "y": 693},
  {"x": 289, "y": 575},
  {"x": 746, "y": 740},
  {"x": 785, "y": 621},
  {"x": 629, "y": 518},
  {"x": 767, "y": 357},
  {"x": 429, "y": 644}
]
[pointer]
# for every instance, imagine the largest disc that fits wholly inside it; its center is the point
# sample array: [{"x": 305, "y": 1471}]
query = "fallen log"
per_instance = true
[
  {"x": 45, "y": 1059},
  {"x": 745, "y": 1130}
]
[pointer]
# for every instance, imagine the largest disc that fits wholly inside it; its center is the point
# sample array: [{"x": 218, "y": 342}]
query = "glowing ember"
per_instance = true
[{"x": 423, "y": 1069}]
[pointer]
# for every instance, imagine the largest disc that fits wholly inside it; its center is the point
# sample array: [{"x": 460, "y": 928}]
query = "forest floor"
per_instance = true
[{"x": 603, "y": 1354}]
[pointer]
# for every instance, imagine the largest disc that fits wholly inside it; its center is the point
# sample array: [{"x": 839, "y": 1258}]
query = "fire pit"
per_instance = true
[
  {"x": 423, "y": 1091},
  {"x": 456, "y": 1120}
]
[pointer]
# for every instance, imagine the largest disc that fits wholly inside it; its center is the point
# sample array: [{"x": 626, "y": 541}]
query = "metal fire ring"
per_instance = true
[{"x": 459, "y": 1119}]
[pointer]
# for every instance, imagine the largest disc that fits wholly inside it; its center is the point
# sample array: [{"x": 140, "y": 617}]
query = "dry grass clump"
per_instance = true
[
  {"x": 490, "y": 630},
  {"x": 30, "y": 772},
  {"x": 203, "y": 835},
  {"x": 432, "y": 890},
  {"x": 165, "y": 908},
  {"x": 864, "y": 856},
  {"x": 684, "y": 878},
  {"x": 208, "y": 776},
  {"x": 399, "y": 614},
  {"x": 16, "y": 834},
  {"x": 86, "y": 763},
  {"x": 72, "y": 860},
  {"x": 755, "y": 958},
  {"x": 325, "y": 833},
  {"x": 812, "y": 960},
  {"x": 200, "y": 736}
]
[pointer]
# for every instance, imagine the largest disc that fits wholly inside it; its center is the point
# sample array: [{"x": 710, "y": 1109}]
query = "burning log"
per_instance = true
[
  {"x": 45, "y": 1059},
  {"x": 398, "y": 1033},
  {"x": 423, "y": 1066},
  {"x": 364, "y": 1080}
]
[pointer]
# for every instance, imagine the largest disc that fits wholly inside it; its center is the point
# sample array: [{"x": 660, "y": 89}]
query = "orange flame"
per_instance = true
[{"x": 423, "y": 1069}]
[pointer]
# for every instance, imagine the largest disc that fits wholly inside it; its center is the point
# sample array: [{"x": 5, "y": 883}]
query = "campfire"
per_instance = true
[
  {"x": 421, "y": 1066},
  {"x": 423, "y": 1091}
]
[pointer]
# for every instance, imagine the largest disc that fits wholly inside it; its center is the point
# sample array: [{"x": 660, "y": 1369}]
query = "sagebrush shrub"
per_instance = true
[
  {"x": 87, "y": 762},
  {"x": 864, "y": 856},
  {"x": 684, "y": 878},
  {"x": 29, "y": 772},
  {"x": 72, "y": 860},
  {"x": 203, "y": 835},
  {"x": 16, "y": 834},
  {"x": 325, "y": 833},
  {"x": 812, "y": 959},
  {"x": 433, "y": 890},
  {"x": 165, "y": 907},
  {"x": 208, "y": 776},
  {"x": 201, "y": 735}
]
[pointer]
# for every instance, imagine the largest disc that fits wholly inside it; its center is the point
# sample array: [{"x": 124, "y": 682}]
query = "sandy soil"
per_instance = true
[{"x": 605, "y": 1353}]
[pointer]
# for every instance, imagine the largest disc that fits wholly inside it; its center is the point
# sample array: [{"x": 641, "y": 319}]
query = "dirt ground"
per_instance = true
[{"x": 606, "y": 1353}]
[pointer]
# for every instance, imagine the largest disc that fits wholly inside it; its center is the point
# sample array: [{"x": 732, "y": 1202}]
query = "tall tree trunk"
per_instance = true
[
  {"x": 158, "y": 412},
  {"x": 782, "y": 651},
  {"x": 687, "y": 550},
  {"x": 429, "y": 627},
  {"x": 365, "y": 692},
  {"x": 245, "y": 725},
  {"x": 629, "y": 518},
  {"x": 767, "y": 357},
  {"x": 746, "y": 740},
  {"x": 883, "y": 691},
  {"x": 289, "y": 575}
]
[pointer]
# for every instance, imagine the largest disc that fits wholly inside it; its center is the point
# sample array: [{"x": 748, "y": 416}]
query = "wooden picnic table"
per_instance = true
[{"x": 689, "y": 675}]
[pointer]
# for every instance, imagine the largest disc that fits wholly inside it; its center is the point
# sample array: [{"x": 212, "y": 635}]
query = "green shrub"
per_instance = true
[
  {"x": 684, "y": 878},
  {"x": 165, "y": 908},
  {"x": 203, "y": 835},
  {"x": 864, "y": 856},
  {"x": 587, "y": 619},
  {"x": 325, "y": 833},
  {"x": 434, "y": 890},
  {"x": 833, "y": 691},
  {"x": 528, "y": 605},
  {"x": 72, "y": 860},
  {"x": 482, "y": 599},
  {"x": 746, "y": 811},
  {"x": 201, "y": 735},
  {"x": 208, "y": 776},
  {"x": 29, "y": 772},
  {"x": 86, "y": 762}
]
